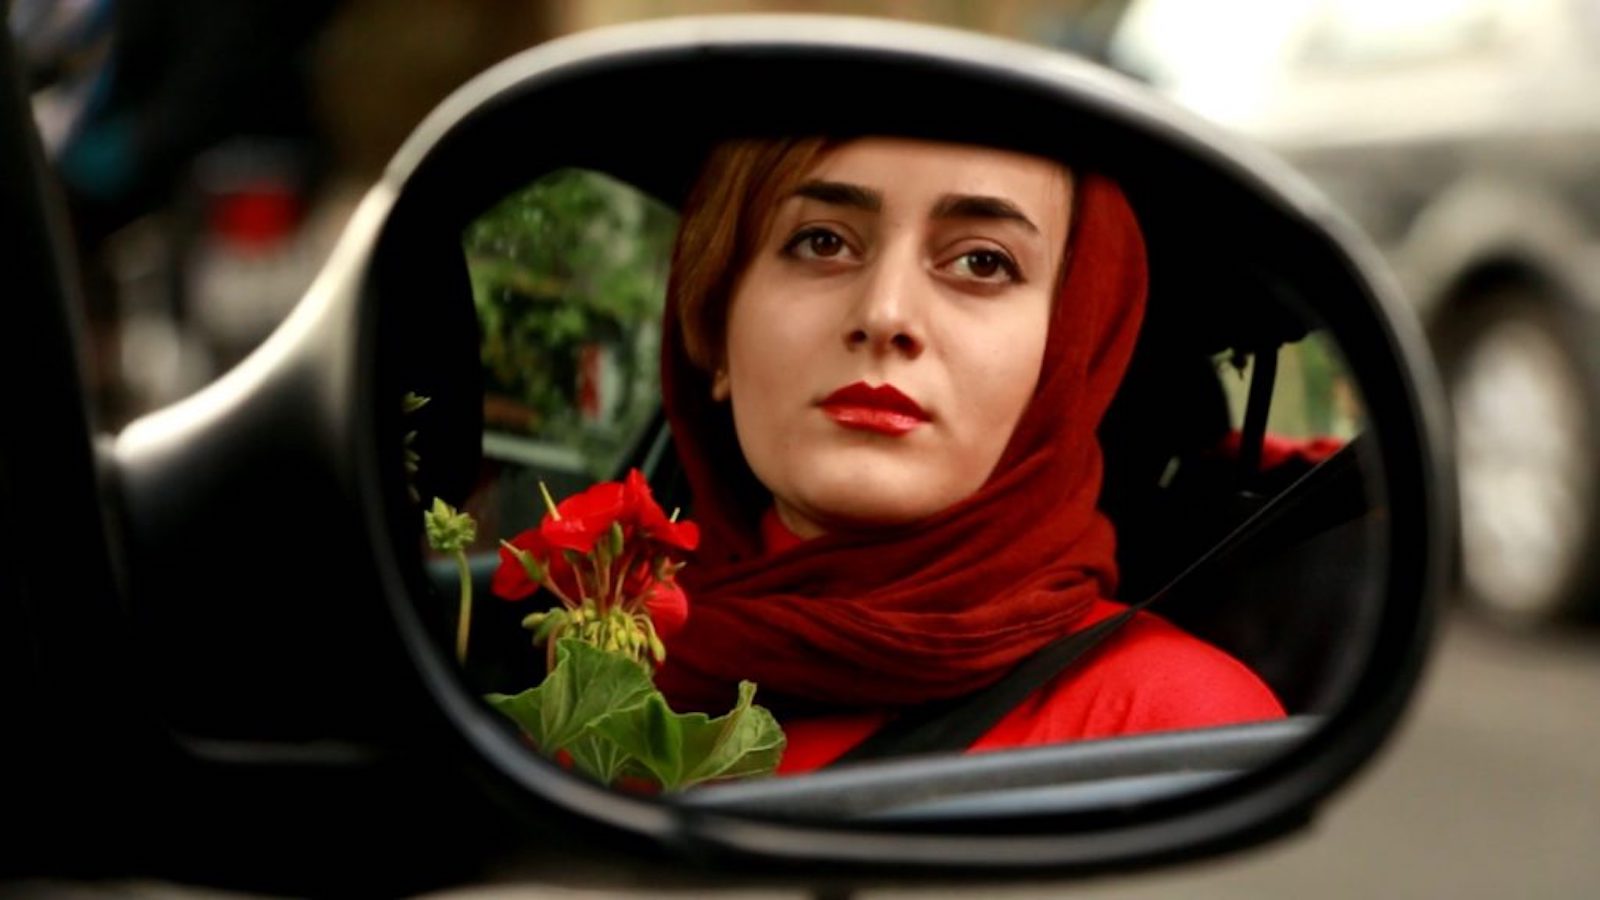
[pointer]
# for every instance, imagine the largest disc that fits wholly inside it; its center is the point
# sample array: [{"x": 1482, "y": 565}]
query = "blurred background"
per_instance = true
[{"x": 210, "y": 154}]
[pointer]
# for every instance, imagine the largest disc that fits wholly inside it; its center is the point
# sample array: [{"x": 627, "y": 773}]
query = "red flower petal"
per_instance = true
[
  {"x": 681, "y": 535},
  {"x": 585, "y": 517},
  {"x": 668, "y": 607},
  {"x": 652, "y": 522}
]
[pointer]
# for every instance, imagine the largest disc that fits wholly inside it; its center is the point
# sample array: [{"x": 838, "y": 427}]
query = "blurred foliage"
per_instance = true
[
  {"x": 1321, "y": 373},
  {"x": 1313, "y": 395},
  {"x": 575, "y": 262}
]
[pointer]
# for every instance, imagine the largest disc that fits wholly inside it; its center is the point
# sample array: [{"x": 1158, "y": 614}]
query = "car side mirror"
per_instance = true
[{"x": 290, "y": 629}]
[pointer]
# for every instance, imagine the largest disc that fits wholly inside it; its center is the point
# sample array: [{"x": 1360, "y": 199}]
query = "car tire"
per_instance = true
[{"x": 1524, "y": 389}]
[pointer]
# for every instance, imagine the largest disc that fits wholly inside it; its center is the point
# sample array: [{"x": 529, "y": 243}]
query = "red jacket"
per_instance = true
[{"x": 1149, "y": 676}]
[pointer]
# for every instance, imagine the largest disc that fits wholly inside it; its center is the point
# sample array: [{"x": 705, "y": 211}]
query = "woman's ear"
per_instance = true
[{"x": 720, "y": 389}]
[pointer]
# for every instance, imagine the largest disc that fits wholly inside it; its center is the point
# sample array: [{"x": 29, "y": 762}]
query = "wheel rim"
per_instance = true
[{"x": 1523, "y": 441}]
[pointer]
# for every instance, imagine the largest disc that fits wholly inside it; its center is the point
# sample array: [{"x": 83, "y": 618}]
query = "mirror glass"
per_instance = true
[{"x": 1236, "y": 488}]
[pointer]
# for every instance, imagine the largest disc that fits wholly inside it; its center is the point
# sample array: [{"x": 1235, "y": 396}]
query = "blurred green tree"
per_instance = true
[{"x": 568, "y": 277}]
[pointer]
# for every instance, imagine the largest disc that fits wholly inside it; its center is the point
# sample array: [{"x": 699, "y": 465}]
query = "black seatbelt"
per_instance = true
[
  {"x": 954, "y": 725},
  {"x": 950, "y": 726}
]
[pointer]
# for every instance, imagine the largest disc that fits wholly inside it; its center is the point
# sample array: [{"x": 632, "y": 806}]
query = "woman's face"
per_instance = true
[{"x": 889, "y": 330}]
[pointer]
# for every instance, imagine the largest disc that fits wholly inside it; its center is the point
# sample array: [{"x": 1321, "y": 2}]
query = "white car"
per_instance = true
[{"x": 1464, "y": 137}]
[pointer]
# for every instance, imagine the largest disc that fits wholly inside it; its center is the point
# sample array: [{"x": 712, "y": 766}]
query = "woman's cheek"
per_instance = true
[{"x": 1000, "y": 384}]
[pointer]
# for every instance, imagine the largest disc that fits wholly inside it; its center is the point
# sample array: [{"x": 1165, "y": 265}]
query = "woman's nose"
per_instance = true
[{"x": 887, "y": 317}]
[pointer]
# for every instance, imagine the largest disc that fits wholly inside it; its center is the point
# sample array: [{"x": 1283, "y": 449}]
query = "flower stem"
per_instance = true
[
  {"x": 602, "y": 580},
  {"x": 550, "y": 585},
  {"x": 464, "y": 625},
  {"x": 561, "y": 595},
  {"x": 622, "y": 577},
  {"x": 582, "y": 574}
]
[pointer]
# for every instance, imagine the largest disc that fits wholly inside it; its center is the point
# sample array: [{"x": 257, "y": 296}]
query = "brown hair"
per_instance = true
[{"x": 724, "y": 221}]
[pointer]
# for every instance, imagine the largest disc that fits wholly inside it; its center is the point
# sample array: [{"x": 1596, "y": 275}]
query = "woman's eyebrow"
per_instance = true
[
  {"x": 839, "y": 193},
  {"x": 976, "y": 206}
]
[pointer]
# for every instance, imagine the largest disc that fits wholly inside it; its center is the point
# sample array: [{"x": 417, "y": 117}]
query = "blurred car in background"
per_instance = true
[
  {"x": 188, "y": 151},
  {"x": 1464, "y": 137},
  {"x": 211, "y": 153}
]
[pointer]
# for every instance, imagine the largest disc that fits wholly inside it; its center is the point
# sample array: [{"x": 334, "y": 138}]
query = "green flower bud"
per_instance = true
[
  {"x": 448, "y": 530},
  {"x": 549, "y": 503},
  {"x": 614, "y": 540},
  {"x": 414, "y": 402},
  {"x": 530, "y": 564},
  {"x": 551, "y": 628},
  {"x": 658, "y": 650}
]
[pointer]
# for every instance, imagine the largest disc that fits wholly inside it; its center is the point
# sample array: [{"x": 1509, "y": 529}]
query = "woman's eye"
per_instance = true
[
  {"x": 815, "y": 243},
  {"x": 985, "y": 265}
]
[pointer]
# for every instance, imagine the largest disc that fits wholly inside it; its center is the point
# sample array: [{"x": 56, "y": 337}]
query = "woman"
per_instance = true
[{"x": 885, "y": 361}]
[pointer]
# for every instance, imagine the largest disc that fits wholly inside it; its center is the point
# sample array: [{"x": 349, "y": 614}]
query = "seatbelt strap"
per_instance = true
[{"x": 953, "y": 726}]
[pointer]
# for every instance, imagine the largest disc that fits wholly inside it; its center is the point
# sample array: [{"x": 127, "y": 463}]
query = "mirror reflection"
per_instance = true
[{"x": 880, "y": 447}]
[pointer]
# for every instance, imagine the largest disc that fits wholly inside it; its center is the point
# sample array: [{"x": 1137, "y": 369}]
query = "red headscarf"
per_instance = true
[{"x": 935, "y": 608}]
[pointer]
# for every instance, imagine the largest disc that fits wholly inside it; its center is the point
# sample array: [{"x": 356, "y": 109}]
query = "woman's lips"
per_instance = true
[{"x": 882, "y": 409}]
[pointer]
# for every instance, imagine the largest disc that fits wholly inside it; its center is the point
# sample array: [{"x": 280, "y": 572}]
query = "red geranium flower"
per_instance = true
[
  {"x": 577, "y": 524},
  {"x": 651, "y": 522},
  {"x": 581, "y": 519}
]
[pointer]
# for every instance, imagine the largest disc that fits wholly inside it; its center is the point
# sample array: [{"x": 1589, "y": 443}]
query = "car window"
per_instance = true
[{"x": 1313, "y": 394}]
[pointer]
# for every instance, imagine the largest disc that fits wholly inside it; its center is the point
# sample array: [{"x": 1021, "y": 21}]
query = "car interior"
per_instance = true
[{"x": 1277, "y": 565}]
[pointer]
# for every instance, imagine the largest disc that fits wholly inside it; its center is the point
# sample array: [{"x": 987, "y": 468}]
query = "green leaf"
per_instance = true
[
  {"x": 680, "y": 750},
  {"x": 653, "y": 734},
  {"x": 748, "y": 741},
  {"x": 586, "y": 684},
  {"x": 603, "y": 710},
  {"x": 598, "y": 756}
]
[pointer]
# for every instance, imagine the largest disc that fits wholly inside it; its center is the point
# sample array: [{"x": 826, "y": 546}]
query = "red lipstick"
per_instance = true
[{"x": 882, "y": 409}]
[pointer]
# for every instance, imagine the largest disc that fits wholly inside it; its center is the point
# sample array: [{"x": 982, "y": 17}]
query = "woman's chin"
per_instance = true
[
  {"x": 865, "y": 516},
  {"x": 864, "y": 498}
]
